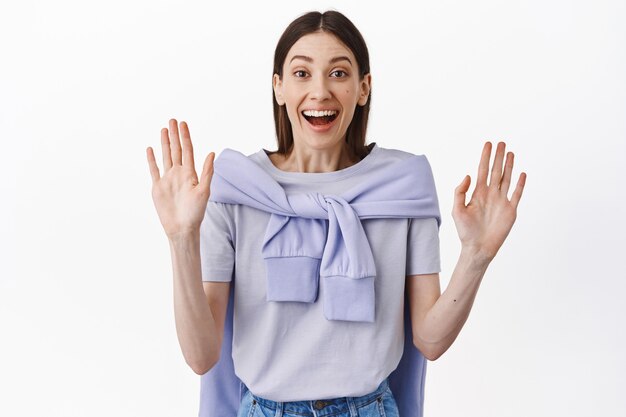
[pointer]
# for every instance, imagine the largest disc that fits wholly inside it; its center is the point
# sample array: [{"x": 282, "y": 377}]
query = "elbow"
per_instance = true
[
  {"x": 431, "y": 353},
  {"x": 203, "y": 365},
  {"x": 203, "y": 368}
]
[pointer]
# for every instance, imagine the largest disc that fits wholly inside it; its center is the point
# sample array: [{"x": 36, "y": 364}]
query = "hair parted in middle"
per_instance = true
[{"x": 340, "y": 26}]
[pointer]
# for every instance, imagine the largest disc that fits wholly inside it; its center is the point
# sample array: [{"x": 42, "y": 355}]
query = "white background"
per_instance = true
[{"x": 86, "y": 307}]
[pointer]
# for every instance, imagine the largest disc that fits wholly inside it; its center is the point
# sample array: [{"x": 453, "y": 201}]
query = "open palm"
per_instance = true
[
  {"x": 485, "y": 222},
  {"x": 179, "y": 197}
]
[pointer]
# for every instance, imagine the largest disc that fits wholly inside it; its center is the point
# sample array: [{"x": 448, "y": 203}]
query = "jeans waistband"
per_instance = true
[{"x": 324, "y": 406}]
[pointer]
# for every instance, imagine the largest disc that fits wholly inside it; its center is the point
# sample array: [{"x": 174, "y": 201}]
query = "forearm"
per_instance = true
[
  {"x": 445, "y": 319},
  {"x": 195, "y": 325}
]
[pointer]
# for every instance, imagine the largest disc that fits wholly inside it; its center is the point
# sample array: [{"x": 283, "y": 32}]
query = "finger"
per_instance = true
[
  {"x": 506, "y": 178},
  {"x": 517, "y": 194},
  {"x": 165, "y": 149},
  {"x": 154, "y": 169},
  {"x": 483, "y": 166},
  {"x": 175, "y": 143},
  {"x": 187, "y": 146},
  {"x": 496, "y": 170},
  {"x": 207, "y": 171},
  {"x": 459, "y": 193}
]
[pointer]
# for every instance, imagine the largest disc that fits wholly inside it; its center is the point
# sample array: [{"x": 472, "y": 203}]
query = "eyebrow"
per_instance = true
[{"x": 332, "y": 60}]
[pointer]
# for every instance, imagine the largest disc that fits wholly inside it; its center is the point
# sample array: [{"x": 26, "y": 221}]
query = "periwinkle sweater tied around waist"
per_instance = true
[{"x": 299, "y": 247}]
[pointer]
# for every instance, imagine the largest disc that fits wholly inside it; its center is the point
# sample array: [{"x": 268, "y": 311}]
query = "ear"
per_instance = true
[
  {"x": 277, "y": 84},
  {"x": 365, "y": 87}
]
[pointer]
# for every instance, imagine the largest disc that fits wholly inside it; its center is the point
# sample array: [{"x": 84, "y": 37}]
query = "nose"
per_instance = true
[{"x": 319, "y": 89}]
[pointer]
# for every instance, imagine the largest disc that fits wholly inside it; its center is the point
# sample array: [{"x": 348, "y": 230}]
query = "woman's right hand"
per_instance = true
[{"x": 180, "y": 199}]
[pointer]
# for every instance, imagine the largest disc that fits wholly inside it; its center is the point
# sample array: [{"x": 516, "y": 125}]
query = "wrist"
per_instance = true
[
  {"x": 476, "y": 255},
  {"x": 183, "y": 237}
]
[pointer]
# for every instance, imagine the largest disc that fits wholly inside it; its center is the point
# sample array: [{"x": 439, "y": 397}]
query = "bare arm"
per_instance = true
[
  {"x": 180, "y": 198},
  {"x": 437, "y": 319},
  {"x": 199, "y": 312},
  {"x": 483, "y": 225}
]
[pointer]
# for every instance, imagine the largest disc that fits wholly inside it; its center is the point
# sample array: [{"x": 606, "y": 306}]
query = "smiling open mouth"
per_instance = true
[{"x": 320, "y": 118}]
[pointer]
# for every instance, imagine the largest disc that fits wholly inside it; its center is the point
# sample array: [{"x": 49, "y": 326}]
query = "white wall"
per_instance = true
[{"x": 86, "y": 309}]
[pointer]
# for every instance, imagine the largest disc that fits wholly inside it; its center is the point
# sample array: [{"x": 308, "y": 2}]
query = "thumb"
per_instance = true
[
  {"x": 459, "y": 193},
  {"x": 207, "y": 171}
]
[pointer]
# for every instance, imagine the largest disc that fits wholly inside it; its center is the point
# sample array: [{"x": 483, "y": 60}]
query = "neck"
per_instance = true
[{"x": 301, "y": 159}]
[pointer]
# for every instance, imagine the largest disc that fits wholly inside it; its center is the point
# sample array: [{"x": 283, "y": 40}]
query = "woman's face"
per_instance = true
[{"x": 320, "y": 88}]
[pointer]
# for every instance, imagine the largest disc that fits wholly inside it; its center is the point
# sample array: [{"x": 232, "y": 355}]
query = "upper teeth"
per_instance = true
[{"x": 319, "y": 113}]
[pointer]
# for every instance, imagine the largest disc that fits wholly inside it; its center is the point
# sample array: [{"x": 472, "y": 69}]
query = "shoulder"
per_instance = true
[
  {"x": 395, "y": 155},
  {"x": 222, "y": 213},
  {"x": 400, "y": 161}
]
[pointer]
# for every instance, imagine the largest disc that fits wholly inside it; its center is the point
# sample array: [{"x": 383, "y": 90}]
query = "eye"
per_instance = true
[
  {"x": 300, "y": 74},
  {"x": 341, "y": 73}
]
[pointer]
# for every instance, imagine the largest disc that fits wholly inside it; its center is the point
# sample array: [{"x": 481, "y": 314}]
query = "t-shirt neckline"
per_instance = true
[{"x": 277, "y": 173}]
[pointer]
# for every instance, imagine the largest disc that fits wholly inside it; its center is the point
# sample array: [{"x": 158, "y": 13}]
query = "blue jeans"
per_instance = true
[{"x": 379, "y": 403}]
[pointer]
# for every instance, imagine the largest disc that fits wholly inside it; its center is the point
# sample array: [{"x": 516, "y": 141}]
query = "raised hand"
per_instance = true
[
  {"x": 180, "y": 199},
  {"x": 485, "y": 222}
]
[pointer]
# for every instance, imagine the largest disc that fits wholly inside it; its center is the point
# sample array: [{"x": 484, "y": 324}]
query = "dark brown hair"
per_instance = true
[{"x": 340, "y": 26}]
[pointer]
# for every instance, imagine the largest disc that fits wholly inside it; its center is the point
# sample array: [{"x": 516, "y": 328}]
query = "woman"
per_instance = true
[{"x": 356, "y": 224}]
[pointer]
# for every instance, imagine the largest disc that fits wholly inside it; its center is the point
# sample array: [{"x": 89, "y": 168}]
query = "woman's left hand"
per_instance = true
[{"x": 485, "y": 222}]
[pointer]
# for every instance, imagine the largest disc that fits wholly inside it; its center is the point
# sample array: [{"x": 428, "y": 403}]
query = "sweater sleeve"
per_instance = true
[
  {"x": 217, "y": 249},
  {"x": 423, "y": 256}
]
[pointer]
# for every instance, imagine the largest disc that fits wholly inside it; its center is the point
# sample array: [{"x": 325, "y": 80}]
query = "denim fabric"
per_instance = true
[{"x": 379, "y": 403}]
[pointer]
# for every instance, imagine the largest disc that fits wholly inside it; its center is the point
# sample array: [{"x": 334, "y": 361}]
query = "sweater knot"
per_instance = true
[{"x": 313, "y": 205}]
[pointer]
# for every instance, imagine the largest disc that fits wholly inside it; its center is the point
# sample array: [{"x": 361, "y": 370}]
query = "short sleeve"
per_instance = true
[
  {"x": 423, "y": 255},
  {"x": 217, "y": 251}
]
